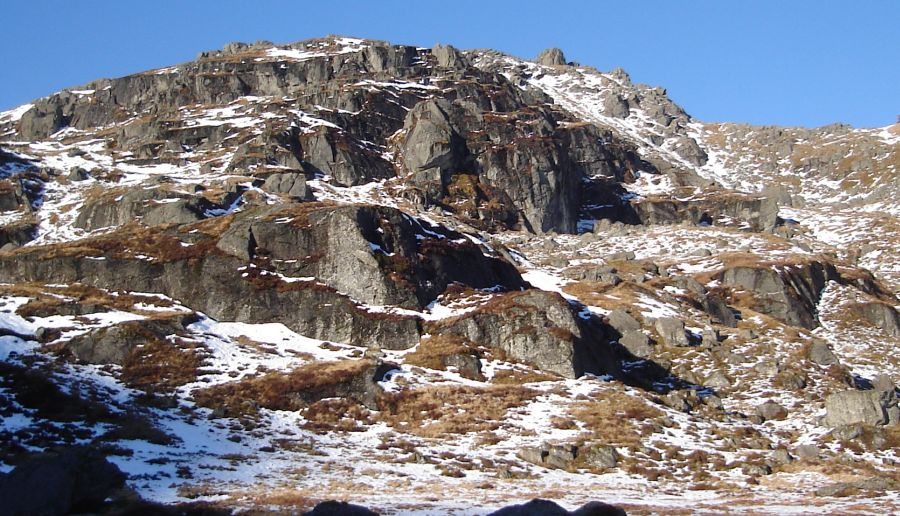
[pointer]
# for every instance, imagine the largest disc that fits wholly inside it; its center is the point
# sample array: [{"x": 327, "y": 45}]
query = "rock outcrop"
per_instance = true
[
  {"x": 789, "y": 293},
  {"x": 535, "y": 327}
]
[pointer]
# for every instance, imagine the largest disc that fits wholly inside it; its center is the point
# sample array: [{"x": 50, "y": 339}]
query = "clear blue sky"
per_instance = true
[{"x": 784, "y": 62}]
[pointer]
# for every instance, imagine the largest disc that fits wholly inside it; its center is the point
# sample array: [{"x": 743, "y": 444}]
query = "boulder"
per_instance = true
[
  {"x": 789, "y": 293},
  {"x": 671, "y": 331},
  {"x": 622, "y": 321},
  {"x": 538, "y": 507},
  {"x": 291, "y": 184},
  {"x": 335, "y": 508},
  {"x": 771, "y": 410},
  {"x": 819, "y": 352},
  {"x": 73, "y": 480},
  {"x": 599, "y": 456},
  {"x": 871, "y": 407},
  {"x": 535, "y": 327},
  {"x": 637, "y": 343}
]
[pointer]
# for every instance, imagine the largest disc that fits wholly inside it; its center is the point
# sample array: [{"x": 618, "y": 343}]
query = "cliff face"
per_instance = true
[{"x": 490, "y": 266}]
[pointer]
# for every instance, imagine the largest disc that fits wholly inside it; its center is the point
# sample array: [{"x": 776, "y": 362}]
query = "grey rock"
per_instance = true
[
  {"x": 291, "y": 184},
  {"x": 615, "y": 106},
  {"x": 771, "y": 410},
  {"x": 756, "y": 470},
  {"x": 534, "y": 327},
  {"x": 789, "y": 294},
  {"x": 622, "y": 321},
  {"x": 551, "y": 57},
  {"x": 870, "y": 407},
  {"x": 717, "y": 380},
  {"x": 819, "y": 352},
  {"x": 637, "y": 343},
  {"x": 781, "y": 456},
  {"x": 78, "y": 174},
  {"x": 881, "y": 315},
  {"x": 449, "y": 57},
  {"x": 671, "y": 331},
  {"x": 768, "y": 368},
  {"x": 807, "y": 451},
  {"x": 599, "y": 456}
]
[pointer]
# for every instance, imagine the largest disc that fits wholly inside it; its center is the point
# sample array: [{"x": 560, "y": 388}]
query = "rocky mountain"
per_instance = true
[{"x": 344, "y": 269}]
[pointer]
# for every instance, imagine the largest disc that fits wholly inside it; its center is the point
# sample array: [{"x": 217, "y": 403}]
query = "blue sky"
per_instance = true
[{"x": 800, "y": 62}]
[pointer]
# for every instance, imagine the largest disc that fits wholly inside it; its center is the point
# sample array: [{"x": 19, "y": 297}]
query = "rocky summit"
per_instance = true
[{"x": 347, "y": 276}]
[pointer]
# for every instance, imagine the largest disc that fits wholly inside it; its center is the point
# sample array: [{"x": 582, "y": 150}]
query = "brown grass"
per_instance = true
[
  {"x": 161, "y": 365},
  {"x": 615, "y": 418},
  {"x": 434, "y": 351},
  {"x": 291, "y": 390},
  {"x": 438, "y": 411}
]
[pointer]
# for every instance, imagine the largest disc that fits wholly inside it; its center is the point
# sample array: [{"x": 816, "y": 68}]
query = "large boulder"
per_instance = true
[
  {"x": 872, "y": 407},
  {"x": 789, "y": 293},
  {"x": 538, "y": 507},
  {"x": 671, "y": 331},
  {"x": 535, "y": 327},
  {"x": 71, "y": 481}
]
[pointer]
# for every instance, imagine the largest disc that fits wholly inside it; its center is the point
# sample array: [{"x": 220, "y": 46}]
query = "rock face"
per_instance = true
[
  {"x": 551, "y": 57},
  {"x": 881, "y": 315},
  {"x": 114, "y": 344},
  {"x": 789, "y": 294},
  {"x": 535, "y": 327},
  {"x": 756, "y": 213},
  {"x": 213, "y": 282},
  {"x": 150, "y": 204},
  {"x": 872, "y": 407},
  {"x": 395, "y": 258}
]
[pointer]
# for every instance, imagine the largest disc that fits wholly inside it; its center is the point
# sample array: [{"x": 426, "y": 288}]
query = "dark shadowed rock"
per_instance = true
[
  {"x": 540, "y": 507},
  {"x": 75, "y": 480},
  {"x": 334, "y": 508}
]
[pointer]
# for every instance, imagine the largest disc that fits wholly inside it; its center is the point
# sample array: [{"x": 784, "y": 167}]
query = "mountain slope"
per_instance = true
[{"x": 348, "y": 269}]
